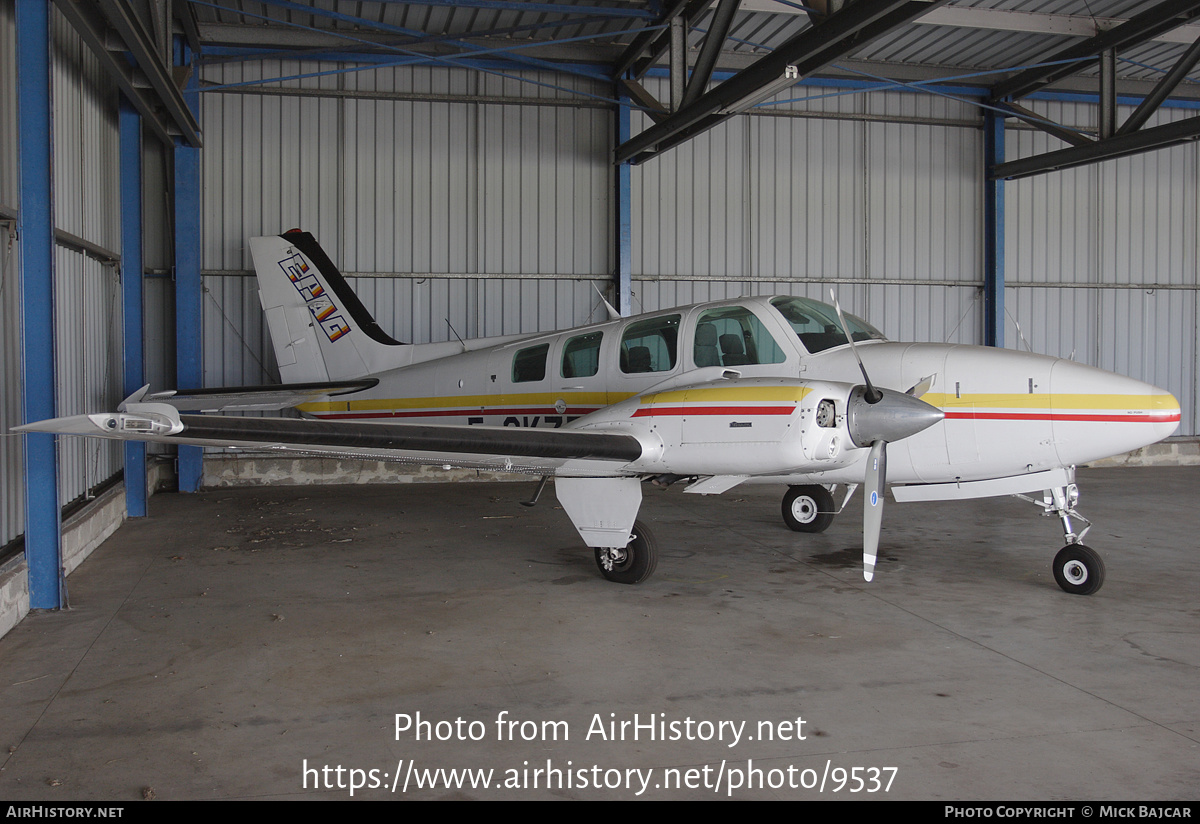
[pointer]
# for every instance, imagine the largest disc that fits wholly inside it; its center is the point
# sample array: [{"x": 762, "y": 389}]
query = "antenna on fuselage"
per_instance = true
[
  {"x": 613, "y": 314},
  {"x": 453, "y": 332}
]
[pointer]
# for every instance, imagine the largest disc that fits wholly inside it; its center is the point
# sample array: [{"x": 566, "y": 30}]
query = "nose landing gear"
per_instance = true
[{"x": 1078, "y": 569}]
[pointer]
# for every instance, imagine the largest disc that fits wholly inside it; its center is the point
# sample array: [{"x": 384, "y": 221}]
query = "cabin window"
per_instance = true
[
  {"x": 530, "y": 364},
  {"x": 650, "y": 345},
  {"x": 734, "y": 336},
  {"x": 581, "y": 356}
]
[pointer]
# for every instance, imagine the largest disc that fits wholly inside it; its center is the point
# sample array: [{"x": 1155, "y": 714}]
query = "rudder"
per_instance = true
[{"x": 319, "y": 328}]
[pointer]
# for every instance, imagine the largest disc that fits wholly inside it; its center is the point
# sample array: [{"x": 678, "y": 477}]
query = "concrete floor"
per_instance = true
[{"x": 216, "y": 648}]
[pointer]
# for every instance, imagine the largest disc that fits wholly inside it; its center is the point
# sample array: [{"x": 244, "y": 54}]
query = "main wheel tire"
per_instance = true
[
  {"x": 1078, "y": 569},
  {"x": 635, "y": 562},
  {"x": 808, "y": 508}
]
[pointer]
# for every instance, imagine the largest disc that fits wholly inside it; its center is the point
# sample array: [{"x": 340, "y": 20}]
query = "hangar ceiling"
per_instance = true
[
  {"x": 944, "y": 41},
  {"x": 723, "y": 56}
]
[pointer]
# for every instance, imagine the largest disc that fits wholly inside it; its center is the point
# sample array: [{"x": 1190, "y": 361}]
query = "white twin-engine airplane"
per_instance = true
[{"x": 755, "y": 390}]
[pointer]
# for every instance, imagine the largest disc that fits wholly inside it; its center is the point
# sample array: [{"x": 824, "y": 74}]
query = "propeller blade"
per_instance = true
[
  {"x": 872, "y": 395},
  {"x": 873, "y": 505}
]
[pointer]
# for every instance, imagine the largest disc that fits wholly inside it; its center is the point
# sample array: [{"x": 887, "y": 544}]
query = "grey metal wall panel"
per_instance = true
[
  {"x": 158, "y": 316},
  {"x": 236, "y": 347},
  {"x": 1148, "y": 213},
  {"x": 8, "y": 106},
  {"x": 12, "y": 486},
  {"x": 924, "y": 202},
  {"x": 86, "y": 163},
  {"x": 395, "y": 185},
  {"x": 403, "y": 187},
  {"x": 862, "y": 188},
  {"x": 87, "y": 354},
  {"x": 1111, "y": 233},
  {"x": 12, "y": 464},
  {"x": 692, "y": 207},
  {"x": 1134, "y": 339},
  {"x": 157, "y": 206},
  {"x": 809, "y": 201}
]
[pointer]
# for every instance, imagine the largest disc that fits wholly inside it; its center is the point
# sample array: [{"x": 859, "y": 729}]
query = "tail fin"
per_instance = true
[{"x": 320, "y": 329}]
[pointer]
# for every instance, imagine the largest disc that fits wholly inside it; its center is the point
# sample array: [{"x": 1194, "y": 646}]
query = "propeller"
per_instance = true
[
  {"x": 875, "y": 417},
  {"x": 873, "y": 394}
]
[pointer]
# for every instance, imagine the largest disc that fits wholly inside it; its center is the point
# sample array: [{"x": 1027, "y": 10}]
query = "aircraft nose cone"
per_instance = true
[
  {"x": 894, "y": 417},
  {"x": 1098, "y": 414}
]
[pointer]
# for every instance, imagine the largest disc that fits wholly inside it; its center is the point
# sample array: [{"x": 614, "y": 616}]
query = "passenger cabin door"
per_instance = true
[{"x": 578, "y": 374}]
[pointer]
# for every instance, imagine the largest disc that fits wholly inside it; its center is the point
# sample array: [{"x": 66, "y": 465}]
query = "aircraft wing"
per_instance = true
[{"x": 509, "y": 449}]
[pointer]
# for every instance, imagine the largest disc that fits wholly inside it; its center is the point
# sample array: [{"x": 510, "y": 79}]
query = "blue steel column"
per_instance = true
[
  {"x": 624, "y": 193},
  {"x": 130, "y": 125},
  {"x": 993, "y": 231},
  {"x": 43, "y": 548},
  {"x": 189, "y": 326}
]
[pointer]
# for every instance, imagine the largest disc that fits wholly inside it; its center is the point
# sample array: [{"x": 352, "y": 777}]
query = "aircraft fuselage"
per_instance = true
[{"x": 1061, "y": 413}]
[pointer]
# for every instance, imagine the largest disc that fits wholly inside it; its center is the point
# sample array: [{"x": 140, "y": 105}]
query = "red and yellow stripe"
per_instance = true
[
  {"x": 1159, "y": 408},
  {"x": 723, "y": 400}
]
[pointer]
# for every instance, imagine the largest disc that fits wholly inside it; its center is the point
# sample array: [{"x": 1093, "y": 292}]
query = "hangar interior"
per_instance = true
[{"x": 1006, "y": 172}]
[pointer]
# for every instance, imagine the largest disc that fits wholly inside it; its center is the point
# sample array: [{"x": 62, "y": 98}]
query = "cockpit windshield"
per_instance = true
[{"x": 817, "y": 325}]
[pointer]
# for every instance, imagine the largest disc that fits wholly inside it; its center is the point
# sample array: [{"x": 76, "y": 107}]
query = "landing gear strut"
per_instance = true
[
  {"x": 632, "y": 563},
  {"x": 1078, "y": 568}
]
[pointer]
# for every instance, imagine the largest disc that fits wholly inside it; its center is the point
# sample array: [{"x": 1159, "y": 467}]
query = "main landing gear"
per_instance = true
[
  {"x": 1078, "y": 568},
  {"x": 808, "y": 508},
  {"x": 633, "y": 563}
]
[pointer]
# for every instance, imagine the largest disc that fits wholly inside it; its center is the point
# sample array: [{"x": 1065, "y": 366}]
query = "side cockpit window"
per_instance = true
[
  {"x": 650, "y": 345},
  {"x": 530, "y": 364},
  {"x": 734, "y": 336}
]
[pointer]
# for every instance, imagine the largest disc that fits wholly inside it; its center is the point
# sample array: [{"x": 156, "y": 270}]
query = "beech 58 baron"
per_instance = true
[{"x": 780, "y": 390}]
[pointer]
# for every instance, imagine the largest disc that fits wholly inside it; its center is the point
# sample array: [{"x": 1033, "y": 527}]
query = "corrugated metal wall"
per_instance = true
[
  {"x": 1102, "y": 261},
  {"x": 87, "y": 302},
  {"x": 12, "y": 485},
  {"x": 158, "y": 289},
  {"x": 87, "y": 293},
  {"x": 442, "y": 202},
  {"x": 8, "y": 105},
  {"x": 881, "y": 189},
  {"x": 12, "y": 463},
  {"x": 457, "y": 192}
]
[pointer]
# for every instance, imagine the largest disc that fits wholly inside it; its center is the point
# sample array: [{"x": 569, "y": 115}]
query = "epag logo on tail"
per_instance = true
[{"x": 327, "y": 315}]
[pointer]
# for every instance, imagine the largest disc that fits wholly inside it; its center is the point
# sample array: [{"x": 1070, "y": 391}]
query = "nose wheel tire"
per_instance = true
[
  {"x": 1078, "y": 569},
  {"x": 808, "y": 508},
  {"x": 631, "y": 564}
]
